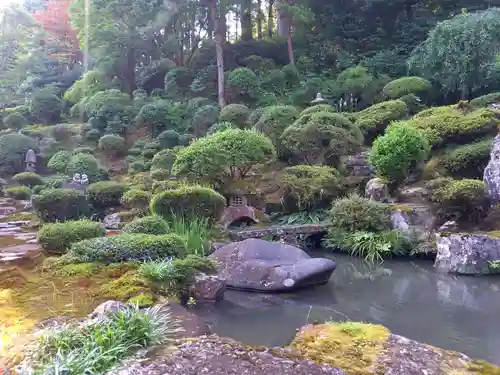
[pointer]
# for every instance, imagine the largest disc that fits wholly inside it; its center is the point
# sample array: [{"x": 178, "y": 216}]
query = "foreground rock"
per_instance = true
[
  {"x": 467, "y": 254},
  {"x": 377, "y": 190},
  {"x": 492, "y": 172},
  {"x": 365, "y": 349},
  {"x": 260, "y": 265},
  {"x": 217, "y": 356}
]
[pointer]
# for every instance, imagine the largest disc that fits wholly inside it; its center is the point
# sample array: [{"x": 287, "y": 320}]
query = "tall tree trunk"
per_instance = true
[
  {"x": 285, "y": 28},
  {"x": 128, "y": 69},
  {"x": 220, "y": 34},
  {"x": 260, "y": 36},
  {"x": 246, "y": 20},
  {"x": 270, "y": 19}
]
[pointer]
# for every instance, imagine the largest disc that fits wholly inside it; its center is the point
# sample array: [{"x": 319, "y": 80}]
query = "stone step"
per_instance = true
[{"x": 25, "y": 255}]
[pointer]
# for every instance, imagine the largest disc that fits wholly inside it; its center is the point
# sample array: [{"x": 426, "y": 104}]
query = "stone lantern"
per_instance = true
[
  {"x": 319, "y": 100},
  {"x": 30, "y": 161}
]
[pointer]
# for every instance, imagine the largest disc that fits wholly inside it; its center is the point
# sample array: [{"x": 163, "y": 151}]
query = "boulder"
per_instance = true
[
  {"x": 207, "y": 288},
  {"x": 219, "y": 356},
  {"x": 449, "y": 226},
  {"x": 112, "y": 221},
  {"x": 259, "y": 265},
  {"x": 189, "y": 323},
  {"x": 491, "y": 175},
  {"x": 382, "y": 352},
  {"x": 417, "y": 221},
  {"x": 107, "y": 308},
  {"x": 467, "y": 254},
  {"x": 376, "y": 190},
  {"x": 358, "y": 165}
]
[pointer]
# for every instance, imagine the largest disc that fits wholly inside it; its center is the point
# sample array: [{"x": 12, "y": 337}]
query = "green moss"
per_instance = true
[
  {"x": 116, "y": 270},
  {"x": 352, "y": 347},
  {"x": 125, "y": 287},
  {"x": 373, "y": 120},
  {"x": 483, "y": 368},
  {"x": 142, "y": 300},
  {"x": 81, "y": 269}
]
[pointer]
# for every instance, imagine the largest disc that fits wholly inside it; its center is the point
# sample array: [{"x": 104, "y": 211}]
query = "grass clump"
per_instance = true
[
  {"x": 58, "y": 237},
  {"x": 126, "y": 247},
  {"x": 96, "y": 348},
  {"x": 195, "y": 231}
]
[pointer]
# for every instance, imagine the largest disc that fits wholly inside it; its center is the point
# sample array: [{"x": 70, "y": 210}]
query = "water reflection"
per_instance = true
[{"x": 410, "y": 298}]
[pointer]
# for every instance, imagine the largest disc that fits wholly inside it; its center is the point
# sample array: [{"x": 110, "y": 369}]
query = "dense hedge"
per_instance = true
[
  {"x": 53, "y": 205},
  {"x": 28, "y": 179},
  {"x": 18, "y": 192},
  {"x": 104, "y": 194},
  {"x": 373, "y": 120},
  {"x": 147, "y": 225},
  {"x": 58, "y": 237},
  {"x": 136, "y": 198},
  {"x": 406, "y": 85},
  {"x": 468, "y": 161},
  {"x": 189, "y": 201},
  {"x": 127, "y": 247},
  {"x": 275, "y": 120},
  {"x": 236, "y": 114}
]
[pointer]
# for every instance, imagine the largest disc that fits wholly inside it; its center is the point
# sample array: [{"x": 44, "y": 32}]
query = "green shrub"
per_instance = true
[
  {"x": 356, "y": 213},
  {"x": 155, "y": 116},
  {"x": 310, "y": 187},
  {"x": 59, "y": 161},
  {"x": 62, "y": 132},
  {"x": 195, "y": 231},
  {"x": 468, "y": 161},
  {"x": 159, "y": 174},
  {"x": 112, "y": 144},
  {"x": 220, "y": 126},
  {"x": 55, "y": 181},
  {"x": 127, "y": 247},
  {"x": 189, "y": 201},
  {"x": 275, "y": 120},
  {"x": 18, "y": 192},
  {"x": 58, "y": 237},
  {"x": 168, "y": 138},
  {"x": 459, "y": 199},
  {"x": 135, "y": 198},
  {"x": 13, "y": 148},
  {"x": 15, "y": 121},
  {"x": 160, "y": 186},
  {"x": 84, "y": 150},
  {"x": 28, "y": 179},
  {"x": 452, "y": 124},
  {"x": 46, "y": 107},
  {"x": 53, "y": 205},
  {"x": 104, "y": 194},
  {"x": 203, "y": 118},
  {"x": 102, "y": 101},
  {"x": 164, "y": 160},
  {"x": 337, "y": 120},
  {"x": 413, "y": 103},
  {"x": 397, "y": 153},
  {"x": 406, "y": 85},
  {"x": 147, "y": 225},
  {"x": 373, "y": 120},
  {"x": 486, "y": 100},
  {"x": 88, "y": 164},
  {"x": 236, "y": 114},
  {"x": 244, "y": 83},
  {"x": 318, "y": 108}
]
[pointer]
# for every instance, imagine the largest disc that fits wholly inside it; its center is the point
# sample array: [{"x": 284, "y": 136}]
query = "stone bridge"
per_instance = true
[{"x": 286, "y": 233}]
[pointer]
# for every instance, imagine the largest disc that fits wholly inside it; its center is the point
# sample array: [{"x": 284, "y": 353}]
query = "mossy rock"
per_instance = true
[
  {"x": 142, "y": 300},
  {"x": 125, "y": 287}
]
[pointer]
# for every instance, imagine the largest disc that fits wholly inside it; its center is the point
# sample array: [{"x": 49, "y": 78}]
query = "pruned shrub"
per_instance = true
[
  {"x": 318, "y": 108},
  {"x": 309, "y": 187},
  {"x": 159, "y": 174},
  {"x": 168, "y": 138},
  {"x": 220, "y": 126},
  {"x": 59, "y": 161},
  {"x": 127, "y": 247},
  {"x": 46, "y": 107},
  {"x": 136, "y": 199},
  {"x": 203, "y": 118},
  {"x": 468, "y": 161},
  {"x": 18, "y": 192},
  {"x": 373, "y": 120},
  {"x": 53, "y": 205},
  {"x": 15, "y": 121},
  {"x": 189, "y": 201},
  {"x": 274, "y": 121},
  {"x": 104, "y": 194},
  {"x": 406, "y": 85},
  {"x": 243, "y": 83},
  {"x": 28, "y": 179},
  {"x": 112, "y": 144},
  {"x": 62, "y": 132},
  {"x": 13, "y": 148},
  {"x": 107, "y": 103},
  {"x": 334, "y": 119},
  {"x": 164, "y": 160},
  {"x": 399, "y": 152},
  {"x": 88, "y": 164},
  {"x": 58, "y": 237},
  {"x": 236, "y": 114},
  {"x": 486, "y": 100},
  {"x": 147, "y": 225}
]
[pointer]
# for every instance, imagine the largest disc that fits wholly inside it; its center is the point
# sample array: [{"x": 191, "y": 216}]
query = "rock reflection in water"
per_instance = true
[{"x": 410, "y": 298}]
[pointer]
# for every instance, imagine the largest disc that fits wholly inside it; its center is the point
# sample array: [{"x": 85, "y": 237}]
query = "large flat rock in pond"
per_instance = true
[
  {"x": 467, "y": 254},
  {"x": 259, "y": 265},
  {"x": 213, "y": 355}
]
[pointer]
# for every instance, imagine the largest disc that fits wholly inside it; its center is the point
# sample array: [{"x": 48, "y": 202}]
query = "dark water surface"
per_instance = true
[{"x": 408, "y": 297}]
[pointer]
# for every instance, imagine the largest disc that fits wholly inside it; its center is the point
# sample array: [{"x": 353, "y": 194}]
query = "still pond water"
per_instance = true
[{"x": 408, "y": 297}]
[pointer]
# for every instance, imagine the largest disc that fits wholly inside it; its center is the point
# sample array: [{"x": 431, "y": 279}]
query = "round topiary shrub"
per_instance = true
[
  {"x": 236, "y": 114},
  {"x": 136, "y": 199},
  {"x": 168, "y": 138},
  {"x": 334, "y": 119},
  {"x": 468, "y": 161},
  {"x": 53, "y": 205},
  {"x": 59, "y": 161},
  {"x": 159, "y": 174},
  {"x": 127, "y": 247},
  {"x": 28, "y": 179},
  {"x": 189, "y": 201},
  {"x": 112, "y": 144},
  {"x": 486, "y": 100},
  {"x": 318, "y": 108},
  {"x": 58, "y": 237},
  {"x": 147, "y": 225},
  {"x": 355, "y": 213},
  {"x": 220, "y": 126},
  {"x": 275, "y": 120},
  {"x": 398, "y": 153},
  {"x": 18, "y": 192},
  {"x": 244, "y": 83},
  {"x": 104, "y": 194},
  {"x": 62, "y": 132},
  {"x": 15, "y": 121},
  {"x": 13, "y": 148},
  {"x": 88, "y": 164},
  {"x": 406, "y": 85},
  {"x": 373, "y": 120},
  {"x": 93, "y": 135},
  {"x": 46, "y": 107},
  {"x": 164, "y": 160}
]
